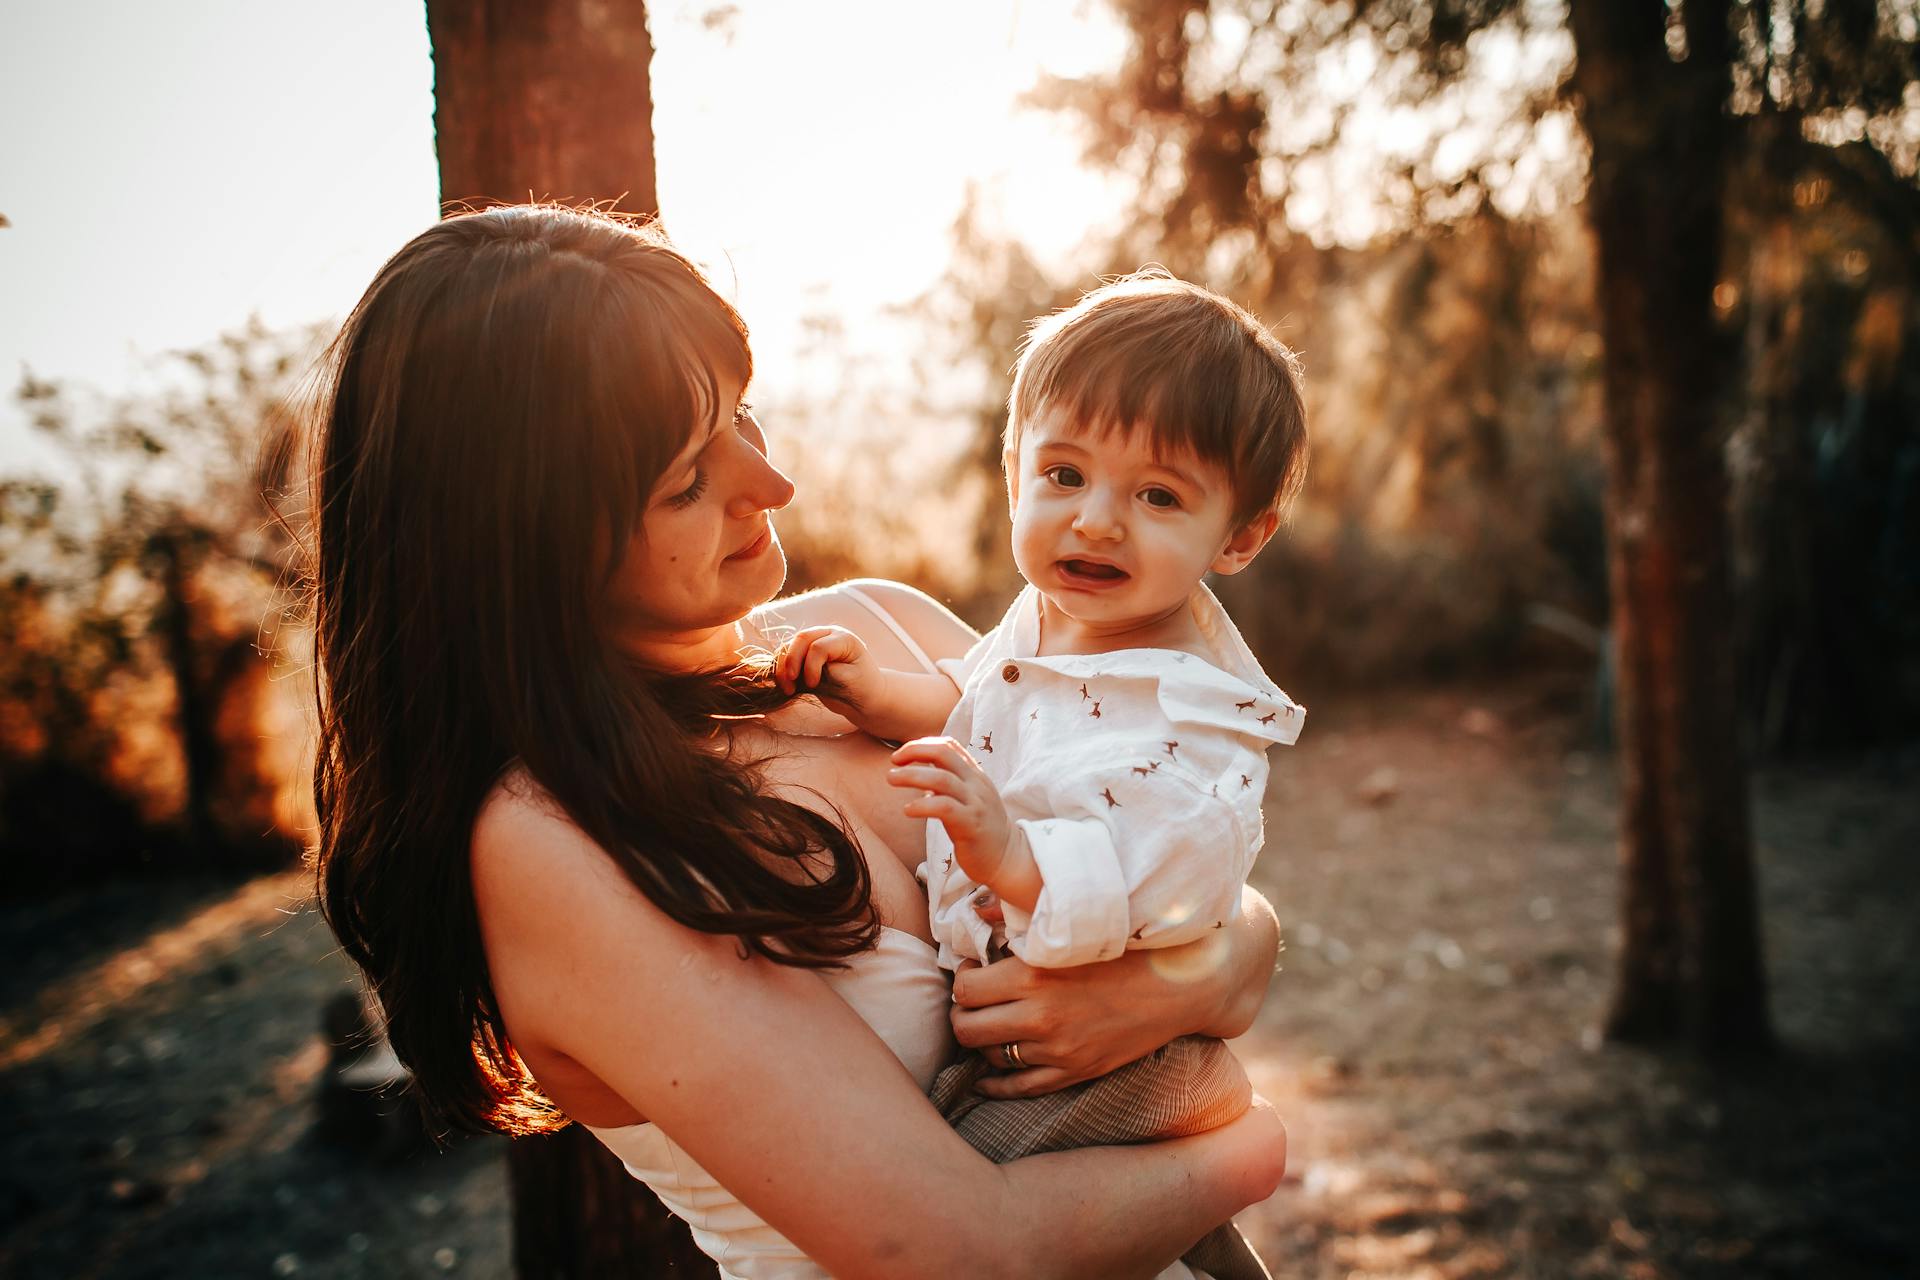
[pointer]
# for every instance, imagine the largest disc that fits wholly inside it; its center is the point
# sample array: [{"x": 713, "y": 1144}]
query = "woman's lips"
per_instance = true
[
  {"x": 1091, "y": 574},
  {"x": 755, "y": 547}
]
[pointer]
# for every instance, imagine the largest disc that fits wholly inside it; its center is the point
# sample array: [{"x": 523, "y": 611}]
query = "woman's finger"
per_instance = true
[
  {"x": 995, "y": 1024},
  {"x": 1028, "y": 1083},
  {"x": 996, "y": 983}
]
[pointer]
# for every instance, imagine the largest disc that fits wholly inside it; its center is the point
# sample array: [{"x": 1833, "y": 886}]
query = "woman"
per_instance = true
[{"x": 596, "y": 866}]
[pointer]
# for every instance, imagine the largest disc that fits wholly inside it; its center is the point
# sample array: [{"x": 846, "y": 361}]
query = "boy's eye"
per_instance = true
[
  {"x": 1064, "y": 476},
  {"x": 1164, "y": 499}
]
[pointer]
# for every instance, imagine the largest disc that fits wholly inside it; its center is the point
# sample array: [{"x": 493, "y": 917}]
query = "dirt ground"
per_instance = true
[{"x": 1443, "y": 863}]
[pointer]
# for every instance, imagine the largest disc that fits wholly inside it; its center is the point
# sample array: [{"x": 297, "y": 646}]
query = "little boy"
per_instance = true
[{"x": 1102, "y": 751}]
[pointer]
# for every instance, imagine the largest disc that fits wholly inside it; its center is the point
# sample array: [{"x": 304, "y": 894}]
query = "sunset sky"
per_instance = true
[{"x": 171, "y": 166}]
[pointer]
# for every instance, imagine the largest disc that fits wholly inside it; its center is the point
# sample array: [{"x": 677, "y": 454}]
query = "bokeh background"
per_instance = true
[{"x": 194, "y": 194}]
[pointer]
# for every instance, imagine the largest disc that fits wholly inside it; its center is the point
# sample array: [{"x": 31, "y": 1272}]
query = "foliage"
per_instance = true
[
  {"x": 1393, "y": 185},
  {"x": 138, "y": 571}
]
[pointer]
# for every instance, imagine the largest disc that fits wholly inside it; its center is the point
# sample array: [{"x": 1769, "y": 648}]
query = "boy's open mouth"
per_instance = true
[{"x": 1092, "y": 571}]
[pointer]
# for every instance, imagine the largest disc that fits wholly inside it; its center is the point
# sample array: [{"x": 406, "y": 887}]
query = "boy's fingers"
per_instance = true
[
  {"x": 924, "y": 777},
  {"x": 943, "y": 808},
  {"x": 816, "y": 665},
  {"x": 944, "y": 752}
]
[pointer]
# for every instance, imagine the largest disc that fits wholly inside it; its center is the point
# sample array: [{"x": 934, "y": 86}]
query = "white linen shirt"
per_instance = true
[{"x": 1136, "y": 776}]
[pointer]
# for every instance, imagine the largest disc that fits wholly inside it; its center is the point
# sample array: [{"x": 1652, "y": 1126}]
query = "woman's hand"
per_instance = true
[{"x": 1075, "y": 1024}]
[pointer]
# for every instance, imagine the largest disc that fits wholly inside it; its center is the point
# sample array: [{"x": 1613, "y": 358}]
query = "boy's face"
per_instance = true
[{"x": 1112, "y": 535}]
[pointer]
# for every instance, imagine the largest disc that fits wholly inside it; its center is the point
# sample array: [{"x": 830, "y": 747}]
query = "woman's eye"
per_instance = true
[
  {"x": 1065, "y": 477},
  {"x": 691, "y": 494},
  {"x": 1161, "y": 498}
]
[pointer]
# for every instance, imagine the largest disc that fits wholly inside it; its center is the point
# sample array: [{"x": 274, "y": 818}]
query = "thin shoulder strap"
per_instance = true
[{"x": 872, "y": 606}]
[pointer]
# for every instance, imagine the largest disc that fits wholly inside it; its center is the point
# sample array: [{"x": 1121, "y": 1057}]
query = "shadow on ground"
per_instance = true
[{"x": 1443, "y": 863}]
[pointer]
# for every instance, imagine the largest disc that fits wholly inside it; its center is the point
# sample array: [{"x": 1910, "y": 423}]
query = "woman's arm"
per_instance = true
[
  {"x": 1075, "y": 1024},
  {"x": 778, "y": 1089}
]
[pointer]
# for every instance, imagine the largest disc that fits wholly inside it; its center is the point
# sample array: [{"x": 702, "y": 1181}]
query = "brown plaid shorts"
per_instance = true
[{"x": 1189, "y": 1086}]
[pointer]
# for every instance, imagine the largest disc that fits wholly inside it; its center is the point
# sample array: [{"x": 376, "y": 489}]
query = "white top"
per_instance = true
[
  {"x": 900, "y": 992},
  {"x": 1136, "y": 775}
]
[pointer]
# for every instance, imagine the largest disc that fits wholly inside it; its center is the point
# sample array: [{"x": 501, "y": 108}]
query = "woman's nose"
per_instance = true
[{"x": 761, "y": 487}]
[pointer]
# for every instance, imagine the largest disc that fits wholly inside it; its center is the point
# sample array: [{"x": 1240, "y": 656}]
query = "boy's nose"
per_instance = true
[{"x": 1097, "y": 518}]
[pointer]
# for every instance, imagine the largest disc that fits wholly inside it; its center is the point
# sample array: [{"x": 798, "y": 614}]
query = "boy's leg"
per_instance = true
[{"x": 1189, "y": 1086}]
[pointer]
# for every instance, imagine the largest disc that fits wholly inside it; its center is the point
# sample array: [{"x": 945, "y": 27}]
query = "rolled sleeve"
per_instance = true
[{"x": 1082, "y": 914}]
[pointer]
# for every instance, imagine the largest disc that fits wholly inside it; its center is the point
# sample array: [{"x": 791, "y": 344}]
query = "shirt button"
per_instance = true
[{"x": 1010, "y": 673}]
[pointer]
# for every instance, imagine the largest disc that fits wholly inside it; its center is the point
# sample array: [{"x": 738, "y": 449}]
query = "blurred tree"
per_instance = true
[
  {"x": 551, "y": 99},
  {"x": 543, "y": 99},
  {"x": 146, "y": 556},
  {"x": 1657, "y": 123},
  {"x": 1249, "y": 124}
]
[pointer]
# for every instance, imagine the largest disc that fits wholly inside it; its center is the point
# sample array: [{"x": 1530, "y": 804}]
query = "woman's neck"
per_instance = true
[{"x": 687, "y": 652}]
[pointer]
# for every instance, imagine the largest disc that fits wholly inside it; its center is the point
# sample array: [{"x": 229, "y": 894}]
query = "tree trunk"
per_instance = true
[
  {"x": 197, "y": 704},
  {"x": 1690, "y": 964},
  {"x": 578, "y": 1215},
  {"x": 543, "y": 99},
  {"x": 550, "y": 99}
]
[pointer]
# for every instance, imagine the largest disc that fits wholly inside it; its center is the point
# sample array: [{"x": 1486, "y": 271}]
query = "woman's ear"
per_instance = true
[{"x": 1246, "y": 542}]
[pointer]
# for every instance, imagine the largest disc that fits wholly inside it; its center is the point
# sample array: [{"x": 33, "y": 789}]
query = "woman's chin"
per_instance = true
[{"x": 761, "y": 578}]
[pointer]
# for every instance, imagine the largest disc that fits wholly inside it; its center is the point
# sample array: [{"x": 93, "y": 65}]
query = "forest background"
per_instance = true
[{"x": 1402, "y": 191}]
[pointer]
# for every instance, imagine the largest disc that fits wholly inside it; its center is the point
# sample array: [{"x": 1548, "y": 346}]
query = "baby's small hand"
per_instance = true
[
  {"x": 955, "y": 790},
  {"x": 832, "y": 656}
]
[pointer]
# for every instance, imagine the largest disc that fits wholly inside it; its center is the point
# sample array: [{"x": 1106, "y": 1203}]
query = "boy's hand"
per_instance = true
[
  {"x": 829, "y": 661},
  {"x": 956, "y": 791}
]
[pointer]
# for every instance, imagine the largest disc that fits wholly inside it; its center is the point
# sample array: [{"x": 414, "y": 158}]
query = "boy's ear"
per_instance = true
[
  {"x": 1246, "y": 542},
  {"x": 1009, "y": 466}
]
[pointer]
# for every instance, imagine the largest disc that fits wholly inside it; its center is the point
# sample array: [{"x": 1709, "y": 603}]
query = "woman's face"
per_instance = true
[{"x": 706, "y": 553}]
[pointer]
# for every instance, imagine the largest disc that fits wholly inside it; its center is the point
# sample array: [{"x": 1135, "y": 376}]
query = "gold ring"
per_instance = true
[{"x": 1012, "y": 1049}]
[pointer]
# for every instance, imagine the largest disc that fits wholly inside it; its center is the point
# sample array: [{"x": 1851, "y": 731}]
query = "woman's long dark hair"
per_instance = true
[{"x": 498, "y": 409}]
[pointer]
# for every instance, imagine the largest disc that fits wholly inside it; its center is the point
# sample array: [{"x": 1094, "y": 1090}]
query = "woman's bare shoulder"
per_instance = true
[{"x": 526, "y": 850}]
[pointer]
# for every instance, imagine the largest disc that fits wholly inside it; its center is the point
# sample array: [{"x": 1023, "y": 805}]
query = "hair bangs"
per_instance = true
[
  {"x": 663, "y": 343},
  {"x": 1155, "y": 358}
]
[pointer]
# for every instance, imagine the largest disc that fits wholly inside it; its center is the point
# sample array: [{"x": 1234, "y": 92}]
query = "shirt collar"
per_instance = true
[{"x": 1230, "y": 650}]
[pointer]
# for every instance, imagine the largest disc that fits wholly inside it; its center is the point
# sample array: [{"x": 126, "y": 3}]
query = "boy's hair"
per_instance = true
[{"x": 1151, "y": 353}]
